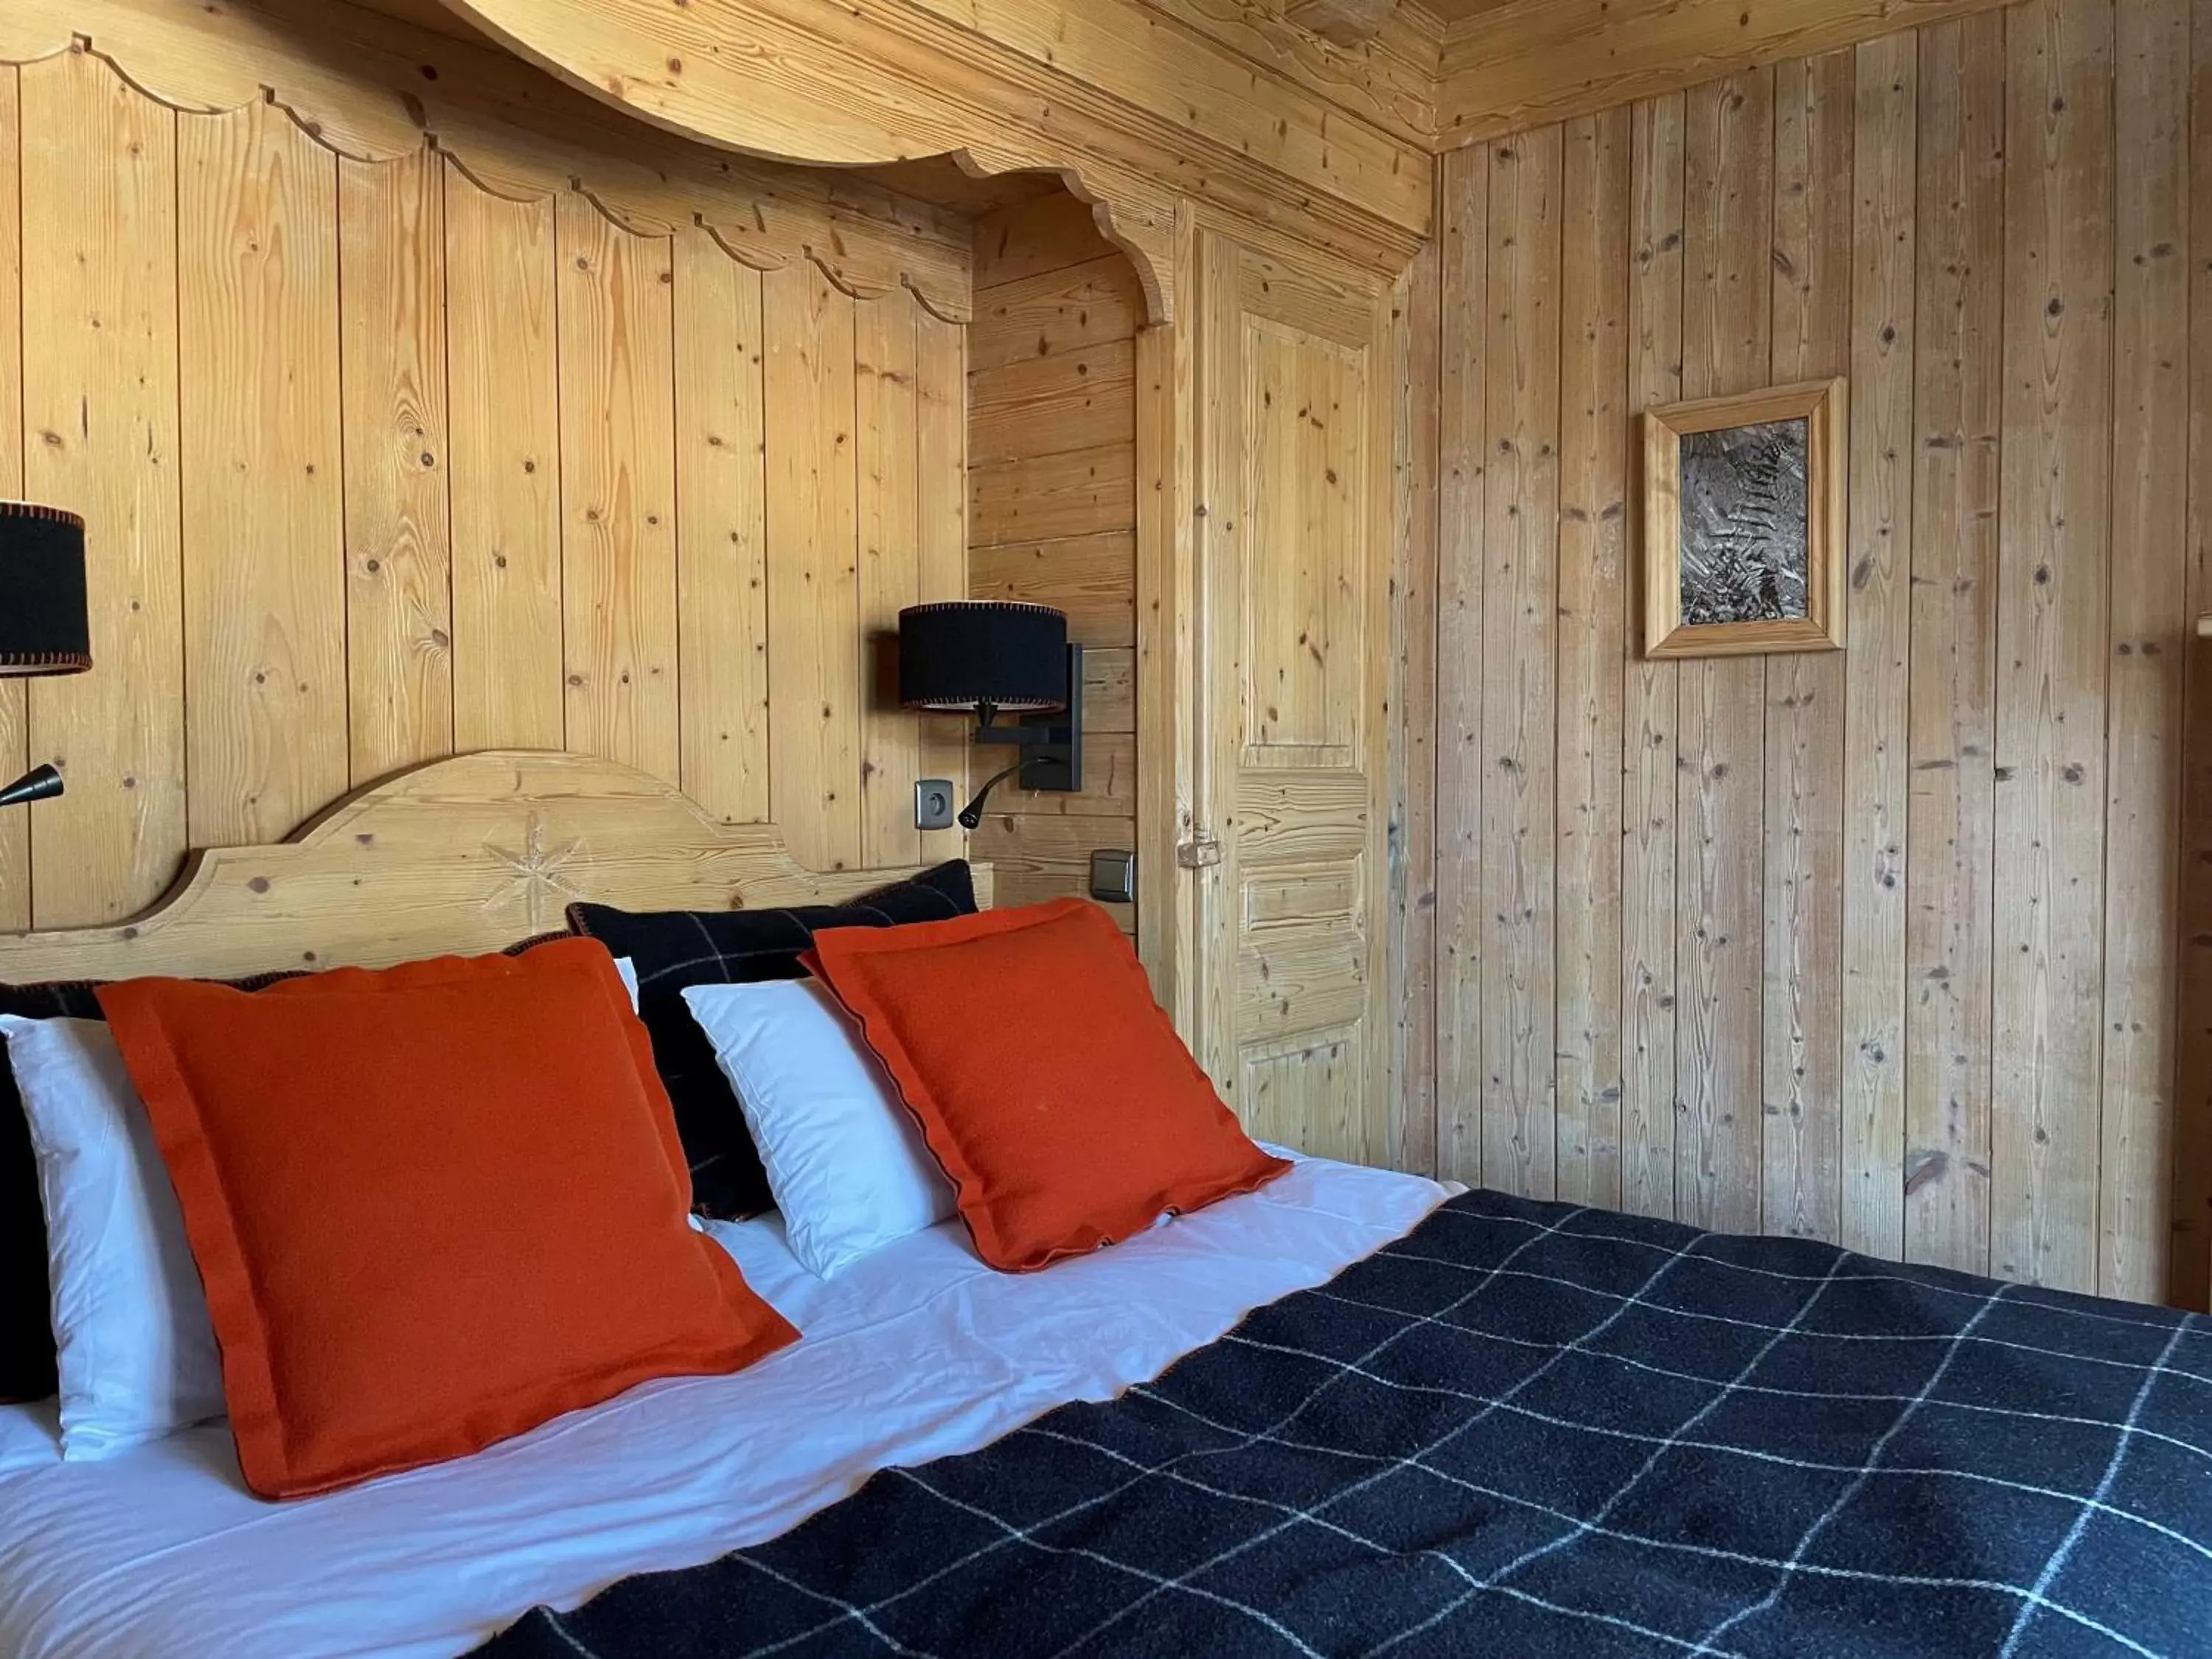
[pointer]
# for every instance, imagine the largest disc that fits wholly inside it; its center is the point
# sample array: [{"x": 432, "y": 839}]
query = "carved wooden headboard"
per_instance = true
[{"x": 464, "y": 856}]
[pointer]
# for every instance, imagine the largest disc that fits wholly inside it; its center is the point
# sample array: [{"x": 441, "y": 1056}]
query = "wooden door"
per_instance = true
[{"x": 1292, "y": 450}]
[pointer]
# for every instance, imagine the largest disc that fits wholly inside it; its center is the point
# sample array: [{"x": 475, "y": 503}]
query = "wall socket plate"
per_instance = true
[
  {"x": 1113, "y": 876},
  {"x": 932, "y": 804}
]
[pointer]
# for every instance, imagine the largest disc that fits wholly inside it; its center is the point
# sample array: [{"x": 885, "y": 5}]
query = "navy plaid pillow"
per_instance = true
[
  {"x": 26, "y": 1333},
  {"x": 672, "y": 950}
]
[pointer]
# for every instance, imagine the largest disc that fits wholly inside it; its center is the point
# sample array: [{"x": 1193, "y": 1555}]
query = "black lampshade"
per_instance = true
[
  {"x": 43, "y": 628},
  {"x": 965, "y": 654}
]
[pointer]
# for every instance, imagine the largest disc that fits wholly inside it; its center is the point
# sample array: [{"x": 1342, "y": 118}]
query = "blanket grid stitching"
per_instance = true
[{"x": 1289, "y": 1501}]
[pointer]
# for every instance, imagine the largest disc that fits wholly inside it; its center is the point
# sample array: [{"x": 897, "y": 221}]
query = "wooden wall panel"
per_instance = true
[
  {"x": 1727, "y": 303},
  {"x": 15, "y": 721},
  {"x": 399, "y": 630},
  {"x": 2149, "y": 588},
  {"x": 1800, "y": 1098},
  {"x": 380, "y": 460},
  {"x": 2053, "y": 640},
  {"x": 99, "y": 404},
  {"x": 721, "y": 530},
  {"x": 1051, "y": 511},
  {"x": 1462, "y": 455},
  {"x": 617, "y": 298},
  {"x": 264, "y": 495},
  {"x": 1908, "y": 950},
  {"x": 1649, "y": 736},
  {"x": 1410, "y": 927},
  {"x": 1950, "y": 856},
  {"x": 814, "y": 664},
  {"x": 1519, "y": 615},
  {"x": 1878, "y": 665},
  {"x": 889, "y": 508},
  {"x": 940, "y": 369},
  {"x": 503, "y": 357},
  {"x": 1593, "y": 597}
]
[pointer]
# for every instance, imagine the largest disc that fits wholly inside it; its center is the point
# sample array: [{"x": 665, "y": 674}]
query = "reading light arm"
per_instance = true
[
  {"x": 39, "y": 783},
  {"x": 971, "y": 816}
]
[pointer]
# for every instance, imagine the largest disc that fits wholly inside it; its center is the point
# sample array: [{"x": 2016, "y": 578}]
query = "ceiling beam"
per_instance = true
[
  {"x": 1389, "y": 79},
  {"x": 1138, "y": 114}
]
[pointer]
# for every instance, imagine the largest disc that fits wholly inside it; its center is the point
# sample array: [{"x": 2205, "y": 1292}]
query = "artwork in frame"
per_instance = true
[{"x": 1743, "y": 523}]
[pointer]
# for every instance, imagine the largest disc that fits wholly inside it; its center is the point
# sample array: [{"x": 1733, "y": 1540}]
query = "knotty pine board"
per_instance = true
[
  {"x": 1877, "y": 668},
  {"x": 1649, "y": 736},
  {"x": 1800, "y": 1088},
  {"x": 1592, "y": 582},
  {"x": 1461, "y": 459},
  {"x": 1951, "y": 857},
  {"x": 399, "y": 655},
  {"x": 1520, "y": 514},
  {"x": 15, "y": 725},
  {"x": 99, "y": 176},
  {"x": 2053, "y": 642}
]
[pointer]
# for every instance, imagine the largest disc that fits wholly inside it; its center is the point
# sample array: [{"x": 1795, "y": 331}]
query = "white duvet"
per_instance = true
[{"x": 916, "y": 1352}]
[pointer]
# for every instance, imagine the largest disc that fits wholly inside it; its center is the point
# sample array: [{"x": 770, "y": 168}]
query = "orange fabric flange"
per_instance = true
[
  {"x": 1046, "y": 1080},
  {"x": 433, "y": 1206}
]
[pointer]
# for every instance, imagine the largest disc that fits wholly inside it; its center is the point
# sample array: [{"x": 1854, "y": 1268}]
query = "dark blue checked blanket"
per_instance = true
[{"x": 1530, "y": 1429}]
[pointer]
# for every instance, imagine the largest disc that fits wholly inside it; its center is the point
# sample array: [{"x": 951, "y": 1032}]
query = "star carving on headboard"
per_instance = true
[{"x": 534, "y": 873}]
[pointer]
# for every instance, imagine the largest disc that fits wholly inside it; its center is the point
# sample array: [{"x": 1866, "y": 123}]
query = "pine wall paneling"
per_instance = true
[
  {"x": 1053, "y": 515},
  {"x": 1410, "y": 928},
  {"x": 14, "y": 723},
  {"x": 1904, "y": 946},
  {"x": 381, "y": 461}
]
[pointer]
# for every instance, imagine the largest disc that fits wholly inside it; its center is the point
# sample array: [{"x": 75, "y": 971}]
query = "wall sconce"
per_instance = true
[
  {"x": 44, "y": 625},
  {"x": 995, "y": 657}
]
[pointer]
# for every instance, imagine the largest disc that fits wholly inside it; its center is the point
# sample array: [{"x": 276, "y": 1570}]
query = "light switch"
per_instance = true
[
  {"x": 932, "y": 804},
  {"x": 1114, "y": 877}
]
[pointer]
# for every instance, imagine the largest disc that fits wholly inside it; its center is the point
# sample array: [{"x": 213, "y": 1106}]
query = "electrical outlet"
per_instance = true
[
  {"x": 932, "y": 804},
  {"x": 1113, "y": 876}
]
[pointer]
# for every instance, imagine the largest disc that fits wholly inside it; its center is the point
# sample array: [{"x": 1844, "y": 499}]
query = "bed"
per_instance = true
[{"x": 1354, "y": 1411}]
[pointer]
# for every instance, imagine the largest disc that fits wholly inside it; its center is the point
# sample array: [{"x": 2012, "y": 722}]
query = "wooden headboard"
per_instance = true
[{"x": 464, "y": 856}]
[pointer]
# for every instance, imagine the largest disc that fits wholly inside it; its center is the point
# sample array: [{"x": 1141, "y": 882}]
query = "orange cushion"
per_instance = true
[
  {"x": 433, "y": 1206},
  {"x": 1046, "y": 1080}
]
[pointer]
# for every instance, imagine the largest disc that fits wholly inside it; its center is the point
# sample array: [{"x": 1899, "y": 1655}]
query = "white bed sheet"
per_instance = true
[{"x": 919, "y": 1351}]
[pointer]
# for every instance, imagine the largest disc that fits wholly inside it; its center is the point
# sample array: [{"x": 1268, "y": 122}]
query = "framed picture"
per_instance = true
[{"x": 1743, "y": 523}]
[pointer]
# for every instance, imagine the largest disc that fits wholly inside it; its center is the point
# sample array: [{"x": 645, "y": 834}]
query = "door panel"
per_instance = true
[
  {"x": 1304, "y": 404},
  {"x": 1292, "y": 450}
]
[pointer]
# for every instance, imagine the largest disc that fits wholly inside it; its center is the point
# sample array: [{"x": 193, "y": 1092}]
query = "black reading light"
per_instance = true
[
  {"x": 44, "y": 627},
  {"x": 998, "y": 657}
]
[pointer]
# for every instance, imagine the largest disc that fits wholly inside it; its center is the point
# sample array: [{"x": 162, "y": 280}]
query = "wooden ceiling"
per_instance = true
[
  {"x": 1507, "y": 65},
  {"x": 1449, "y": 72},
  {"x": 1449, "y": 12},
  {"x": 1346, "y": 100}
]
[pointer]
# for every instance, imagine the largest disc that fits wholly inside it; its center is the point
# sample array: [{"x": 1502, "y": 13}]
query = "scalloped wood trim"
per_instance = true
[
  {"x": 373, "y": 89},
  {"x": 463, "y": 856},
  {"x": 859, "y": 84}
]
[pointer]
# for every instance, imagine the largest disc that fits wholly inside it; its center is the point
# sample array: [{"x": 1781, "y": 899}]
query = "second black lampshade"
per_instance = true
[
  {"x": 977, "y": 653},
  {"x": 44, "y": 628}
]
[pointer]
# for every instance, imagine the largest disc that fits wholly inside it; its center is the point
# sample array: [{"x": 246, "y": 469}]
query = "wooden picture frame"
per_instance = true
[{"x": 1823, "y": 406}]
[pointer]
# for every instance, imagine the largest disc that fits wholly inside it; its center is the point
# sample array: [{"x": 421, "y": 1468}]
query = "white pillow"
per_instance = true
[
  {"x": 135, "y": 1348},
  {"x": 844, "y": 1159}
]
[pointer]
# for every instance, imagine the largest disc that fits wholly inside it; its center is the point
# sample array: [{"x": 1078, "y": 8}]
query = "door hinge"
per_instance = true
[{"x": 1200, "y": 852}]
